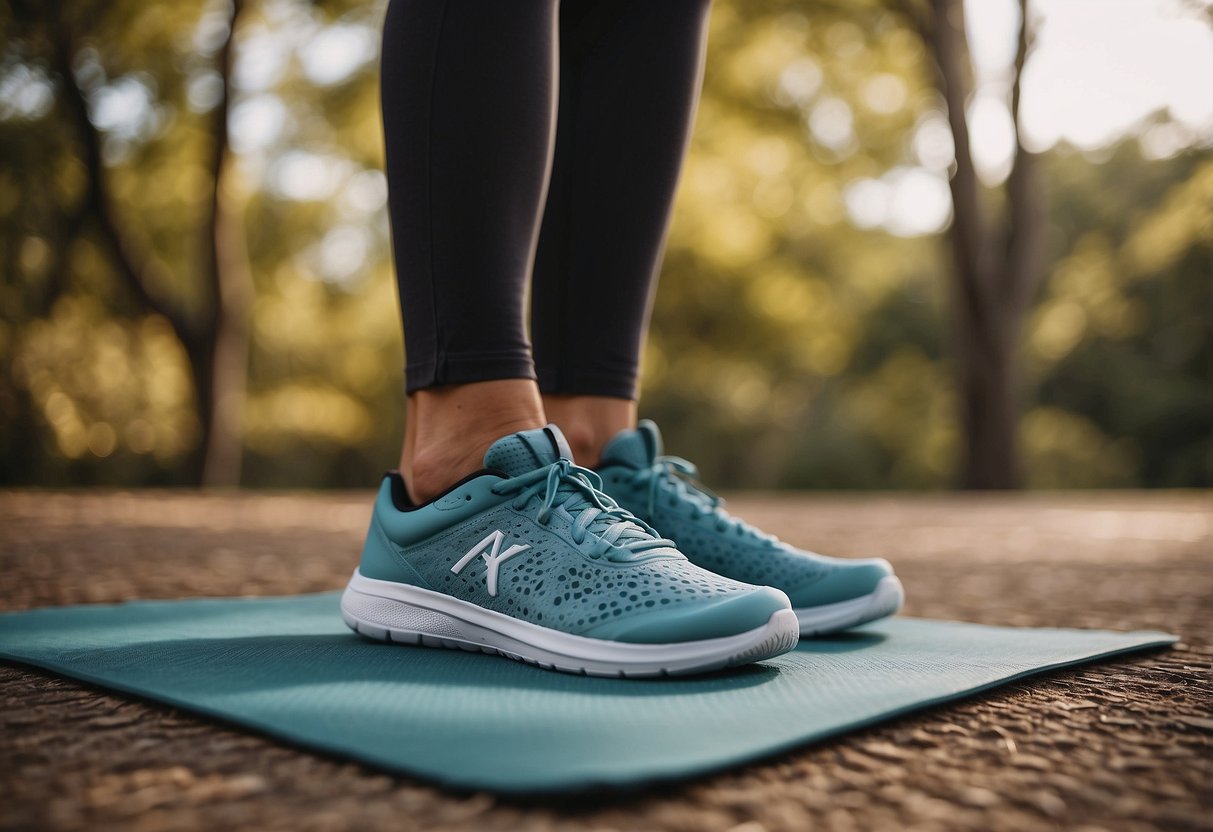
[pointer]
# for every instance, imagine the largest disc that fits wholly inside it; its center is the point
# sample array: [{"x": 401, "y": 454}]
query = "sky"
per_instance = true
[
  {"x": 1097, "y": 71},
  {"x": 1098, "y": 68}
]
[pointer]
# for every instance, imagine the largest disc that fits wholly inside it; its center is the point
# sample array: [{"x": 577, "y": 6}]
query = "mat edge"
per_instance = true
[{"x": 582, "y": 784}]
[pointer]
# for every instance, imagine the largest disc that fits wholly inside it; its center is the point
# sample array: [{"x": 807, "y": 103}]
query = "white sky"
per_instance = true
[{"x": 1099, "y": 68}]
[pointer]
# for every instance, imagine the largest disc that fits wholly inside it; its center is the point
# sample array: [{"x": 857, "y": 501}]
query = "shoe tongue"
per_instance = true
[
  {"x": 527, "y": 450},
  {"x": 637, "y": 448}
]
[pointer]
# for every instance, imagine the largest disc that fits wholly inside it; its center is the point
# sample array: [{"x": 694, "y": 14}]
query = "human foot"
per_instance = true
[
  {"x": 529, "y": 559},
  {"x": 827, "y": 594}
]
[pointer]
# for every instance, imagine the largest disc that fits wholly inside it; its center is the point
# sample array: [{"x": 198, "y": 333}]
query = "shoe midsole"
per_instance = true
[
  {"x": 418, "y": 600},
  {"x": 849, "y": 613}
]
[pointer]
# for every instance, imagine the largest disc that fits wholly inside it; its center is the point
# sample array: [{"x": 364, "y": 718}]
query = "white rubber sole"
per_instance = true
[
  {"x": 388, "y": 611},
  {"x": 882, "y": 602}
]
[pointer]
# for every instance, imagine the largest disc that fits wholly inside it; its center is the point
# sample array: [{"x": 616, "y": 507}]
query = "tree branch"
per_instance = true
[
  {"x": 1025, "y": 203},
  {"x": 213, "y": 273},
  {"x": 136, "y": 267},
  {"x": 971, "y": 240},
  {"x": 917, "y": 17}
]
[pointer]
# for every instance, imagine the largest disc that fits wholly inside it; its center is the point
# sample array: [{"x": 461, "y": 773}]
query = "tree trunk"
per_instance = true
[
  {"x": 989, "y": 407},
  {"x": 229, "y": 284},
  {"x": 989, "y": 293},
  {"x": 216, "y": 342},
  {"x": 230, "y": 351},
  {"x": 199, "y": 352}
]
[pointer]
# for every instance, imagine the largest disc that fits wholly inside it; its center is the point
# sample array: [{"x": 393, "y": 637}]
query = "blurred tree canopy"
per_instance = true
[{"x": 171, "y": 170}]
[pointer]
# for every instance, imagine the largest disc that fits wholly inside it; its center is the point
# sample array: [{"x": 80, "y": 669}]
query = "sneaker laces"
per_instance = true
[
  {"x": 682, "y": 478},
  {"x": 618, "y": 535}
]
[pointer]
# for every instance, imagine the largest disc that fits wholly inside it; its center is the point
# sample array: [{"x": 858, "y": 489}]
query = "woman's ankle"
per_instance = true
[
  {"x": 452, "y": 426},
  {"x": 589, "y": 422}
]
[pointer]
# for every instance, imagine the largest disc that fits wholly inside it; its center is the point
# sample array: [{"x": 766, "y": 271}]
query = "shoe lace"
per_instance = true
[
  {"x": 617, "y": 534},
  {"x": 681, "y": 477}
]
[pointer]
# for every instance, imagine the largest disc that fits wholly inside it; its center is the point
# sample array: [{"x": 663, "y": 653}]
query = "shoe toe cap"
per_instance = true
[
  {"x": 711, "y": 618},
  {"x": 849, "y": 579}
]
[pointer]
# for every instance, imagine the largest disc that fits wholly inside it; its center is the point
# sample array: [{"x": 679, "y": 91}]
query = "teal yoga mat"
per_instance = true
[{"x": 288, "y": 666}]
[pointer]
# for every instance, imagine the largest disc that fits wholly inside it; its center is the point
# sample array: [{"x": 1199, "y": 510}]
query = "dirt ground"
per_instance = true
[{"x": 1122, "y": 745}]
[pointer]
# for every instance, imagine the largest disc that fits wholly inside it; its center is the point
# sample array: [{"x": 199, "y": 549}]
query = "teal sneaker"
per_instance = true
[
  {"x": 827, "y": 594},
  {"x": 531, "y": 560}
]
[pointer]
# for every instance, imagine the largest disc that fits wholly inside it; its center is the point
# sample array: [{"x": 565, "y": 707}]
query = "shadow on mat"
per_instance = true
[{"x": 247, "y": 664}]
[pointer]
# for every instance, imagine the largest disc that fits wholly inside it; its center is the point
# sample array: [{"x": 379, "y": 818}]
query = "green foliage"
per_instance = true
[
  {"x": 789, "y": 347},
  {"x": 1121, "y": 341}
]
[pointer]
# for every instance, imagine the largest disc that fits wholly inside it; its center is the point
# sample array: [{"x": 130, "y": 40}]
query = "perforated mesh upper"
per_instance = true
[
  {"x": 719, "y": 547},
  {"x": 522, "y": 452},
  {"x": 552, "y": 583},
  {"x": 513, "y": 457},
  {"x": 740, "y": 556}
]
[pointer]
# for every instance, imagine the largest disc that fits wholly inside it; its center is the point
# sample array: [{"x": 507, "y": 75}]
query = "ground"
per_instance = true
[{"x": 1118, "y": 745}]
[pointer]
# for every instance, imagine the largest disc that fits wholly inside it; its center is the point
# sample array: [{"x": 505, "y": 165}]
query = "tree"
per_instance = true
[
  {"x": 216, "y": 337},
  {"x": 997, "y": 263}
]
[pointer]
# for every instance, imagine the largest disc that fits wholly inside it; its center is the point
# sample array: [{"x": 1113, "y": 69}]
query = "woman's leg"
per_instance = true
[
  {"x": 468, "y": 95},
  {"x": 630, "y": 72}
]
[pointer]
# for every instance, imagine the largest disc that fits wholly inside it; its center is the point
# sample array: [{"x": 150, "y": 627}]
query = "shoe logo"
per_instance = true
[{"x": 490, "y": 550}]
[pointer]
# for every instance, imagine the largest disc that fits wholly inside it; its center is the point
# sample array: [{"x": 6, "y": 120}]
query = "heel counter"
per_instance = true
[{"x": 381, "y": 559}]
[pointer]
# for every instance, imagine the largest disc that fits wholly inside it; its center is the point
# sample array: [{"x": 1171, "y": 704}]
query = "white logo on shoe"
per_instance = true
[{"x": 490, "y": 549}]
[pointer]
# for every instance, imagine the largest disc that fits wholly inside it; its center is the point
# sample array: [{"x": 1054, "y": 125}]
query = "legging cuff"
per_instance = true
[
  {"x": 574, "y": 383},
  {"x": 466, "y": 369}
]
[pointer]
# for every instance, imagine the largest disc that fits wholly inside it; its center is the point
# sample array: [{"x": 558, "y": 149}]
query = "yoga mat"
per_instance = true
[{"x": 287, "y": 666}]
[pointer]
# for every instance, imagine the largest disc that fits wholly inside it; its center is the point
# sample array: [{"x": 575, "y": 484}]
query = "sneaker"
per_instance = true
[
  {"x": 529, "y": 559},
  {"x": 827, "y": 594}
]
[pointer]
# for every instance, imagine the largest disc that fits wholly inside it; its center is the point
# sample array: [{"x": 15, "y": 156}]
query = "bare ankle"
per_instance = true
[
  {"x": 589, "y": 422},
  {"x": 453, "y": 426},
  {"x": 447, "y": 457}
]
